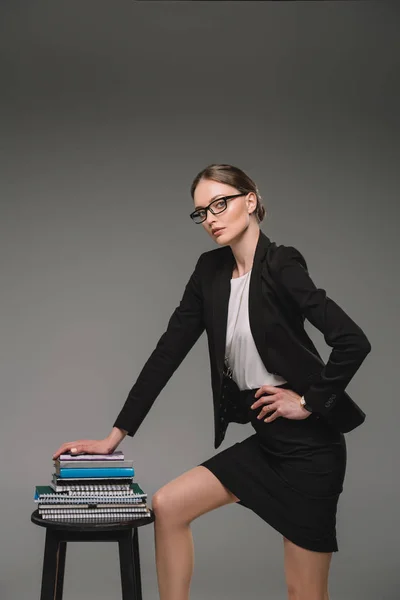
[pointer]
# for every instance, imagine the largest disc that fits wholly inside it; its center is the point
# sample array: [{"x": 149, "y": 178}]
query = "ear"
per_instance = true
[{"x": 251, "y": 202}]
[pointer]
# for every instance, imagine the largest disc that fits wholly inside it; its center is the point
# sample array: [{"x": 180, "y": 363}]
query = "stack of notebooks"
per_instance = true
[{"x": 92, "y": 487}]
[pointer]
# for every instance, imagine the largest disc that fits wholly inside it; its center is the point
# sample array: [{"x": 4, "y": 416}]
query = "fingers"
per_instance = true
[
  {"x": 73, "y": 447},
  {"x": 274, "y": 395},
  {"x": 267, "y": 409},
  {"x": 269, "y": 389},
  {"x": 62, "y": 449},
  {"x": 264, "y": 400},
  {"x": 272, "y": 417}
]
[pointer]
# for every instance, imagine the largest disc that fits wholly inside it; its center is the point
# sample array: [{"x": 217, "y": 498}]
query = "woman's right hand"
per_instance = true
[
  {"x": 105, "y": 446},
  {"x": 85, "y": 447}
]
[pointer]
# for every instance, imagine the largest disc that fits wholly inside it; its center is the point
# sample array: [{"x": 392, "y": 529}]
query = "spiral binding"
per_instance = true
[
  {"x": 88, "y": 499},
  {"x": 96, "y": 487},
  {"x": 92, "y": 511}
]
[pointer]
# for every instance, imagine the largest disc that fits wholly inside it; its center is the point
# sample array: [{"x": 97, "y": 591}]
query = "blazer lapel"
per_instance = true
[
  {"x": 221, "y": 287},
  {"x": 220, "y": 300},
  {"x": 257, "y": 308}
]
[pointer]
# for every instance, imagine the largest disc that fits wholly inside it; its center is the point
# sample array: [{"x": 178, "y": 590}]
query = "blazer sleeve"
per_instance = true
[
  {"x": 183, "y": 330},
  {"x": 349, "y": 343}
]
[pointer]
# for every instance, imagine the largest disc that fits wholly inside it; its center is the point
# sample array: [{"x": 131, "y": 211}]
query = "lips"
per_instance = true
[{"x": 215, "y": 231}]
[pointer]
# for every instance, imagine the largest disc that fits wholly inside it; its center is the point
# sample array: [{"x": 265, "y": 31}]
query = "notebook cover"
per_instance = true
[
  {"x": 97, "y": 464},
  {"x": 117, "y": 455},
  {"x": 104, "y": 472},
  {"x": 93, "y": 480}
]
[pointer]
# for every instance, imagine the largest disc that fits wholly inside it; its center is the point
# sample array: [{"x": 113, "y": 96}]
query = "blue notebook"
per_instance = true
[{"x": 93, "y": 472}]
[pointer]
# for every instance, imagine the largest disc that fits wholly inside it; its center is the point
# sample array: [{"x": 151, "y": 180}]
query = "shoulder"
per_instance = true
[
  {"x": 277, "y": 257},
  {"x": 281, "y": 255},
  {"x": 209, "y": 261},
  {"x": 217, "y": 253},
  {"x": 215, "y": 256}
]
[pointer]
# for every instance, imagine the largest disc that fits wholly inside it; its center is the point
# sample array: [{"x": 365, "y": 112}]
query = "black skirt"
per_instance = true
[{"x": 290, "y": 473}]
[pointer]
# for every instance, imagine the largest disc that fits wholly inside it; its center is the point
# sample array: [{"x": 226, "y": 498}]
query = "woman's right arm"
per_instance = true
[{"x": 184, "y": 328}]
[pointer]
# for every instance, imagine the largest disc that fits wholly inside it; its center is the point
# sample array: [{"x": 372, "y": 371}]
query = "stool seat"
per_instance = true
[{"x": 58, "y": 533}]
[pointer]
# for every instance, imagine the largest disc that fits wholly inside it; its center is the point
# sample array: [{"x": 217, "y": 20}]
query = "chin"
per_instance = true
[
  {"x": 221, "y": 242},
  {"x": 227, "y": 239}
]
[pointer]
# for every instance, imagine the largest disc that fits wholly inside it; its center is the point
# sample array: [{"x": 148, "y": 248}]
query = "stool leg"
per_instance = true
[
  {"x": 61, "y": 552},
  {"x": 136, "y": 564},
  {"x": 50, "y": 564},
  {"x": 126, "y": 566}
]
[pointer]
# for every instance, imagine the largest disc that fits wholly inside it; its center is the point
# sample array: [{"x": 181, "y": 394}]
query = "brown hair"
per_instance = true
[{"x": 231, "y": 176}]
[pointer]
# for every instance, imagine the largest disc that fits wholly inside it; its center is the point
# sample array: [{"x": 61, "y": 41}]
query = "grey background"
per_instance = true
[{"x": 108, "y": 111}]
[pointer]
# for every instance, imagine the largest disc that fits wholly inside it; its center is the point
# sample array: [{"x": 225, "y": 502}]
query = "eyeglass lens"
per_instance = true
[{"x": 217, "y": 206}]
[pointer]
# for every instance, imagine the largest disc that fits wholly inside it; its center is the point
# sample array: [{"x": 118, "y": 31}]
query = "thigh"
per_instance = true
[
  {"x": 306, "y": 571},
  {"x": 190, "y": 495}
]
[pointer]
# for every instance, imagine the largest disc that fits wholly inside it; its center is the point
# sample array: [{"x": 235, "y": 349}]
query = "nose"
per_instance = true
[{"x": 210, "y": 218}]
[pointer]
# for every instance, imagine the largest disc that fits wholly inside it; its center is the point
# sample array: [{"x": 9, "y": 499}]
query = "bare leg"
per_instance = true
[
  {"x": 306, "y": 572},
  {"x": 175, "y": 505}
]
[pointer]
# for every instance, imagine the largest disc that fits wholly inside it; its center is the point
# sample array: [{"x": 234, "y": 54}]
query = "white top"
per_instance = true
[{"x": 248, "y": 369}]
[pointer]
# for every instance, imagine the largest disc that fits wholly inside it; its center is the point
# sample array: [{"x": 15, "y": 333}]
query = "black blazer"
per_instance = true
[{"x": 281, "y": 295}]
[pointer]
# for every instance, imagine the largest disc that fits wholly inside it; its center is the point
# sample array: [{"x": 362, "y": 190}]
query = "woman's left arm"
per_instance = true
[{"x": 350, "y": 344}]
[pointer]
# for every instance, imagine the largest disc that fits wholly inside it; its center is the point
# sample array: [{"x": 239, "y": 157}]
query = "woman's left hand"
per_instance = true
[{"x": 282, "y": 402}]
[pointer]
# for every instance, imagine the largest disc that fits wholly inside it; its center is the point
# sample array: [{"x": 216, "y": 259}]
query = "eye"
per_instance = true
[{"x": 219, "y": 203}]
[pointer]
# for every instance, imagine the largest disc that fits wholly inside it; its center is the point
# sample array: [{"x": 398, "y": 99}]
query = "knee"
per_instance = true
[
  {"x": 165, "y": 507},
  {"x": 159, "y": 503}
]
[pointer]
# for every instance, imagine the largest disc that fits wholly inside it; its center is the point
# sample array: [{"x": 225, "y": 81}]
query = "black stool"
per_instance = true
[{"x": 58, "y": 533}]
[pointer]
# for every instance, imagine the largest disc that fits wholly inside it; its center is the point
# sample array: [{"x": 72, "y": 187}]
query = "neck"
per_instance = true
[{"x": 243, "y": 249}]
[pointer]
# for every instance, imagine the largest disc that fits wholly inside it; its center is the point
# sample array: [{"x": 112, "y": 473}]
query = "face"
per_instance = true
[{"x": 234, "y": 220}]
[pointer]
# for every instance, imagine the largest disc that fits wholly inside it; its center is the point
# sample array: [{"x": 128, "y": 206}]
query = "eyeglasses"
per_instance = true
[{"x": 215, "y": 207}]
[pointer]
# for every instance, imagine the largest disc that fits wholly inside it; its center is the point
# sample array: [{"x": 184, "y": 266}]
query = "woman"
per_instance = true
[{"x": 252, "y": 297}]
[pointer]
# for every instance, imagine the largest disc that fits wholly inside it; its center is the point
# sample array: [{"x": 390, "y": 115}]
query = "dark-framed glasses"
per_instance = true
[{"x": 215, "y": 207}]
